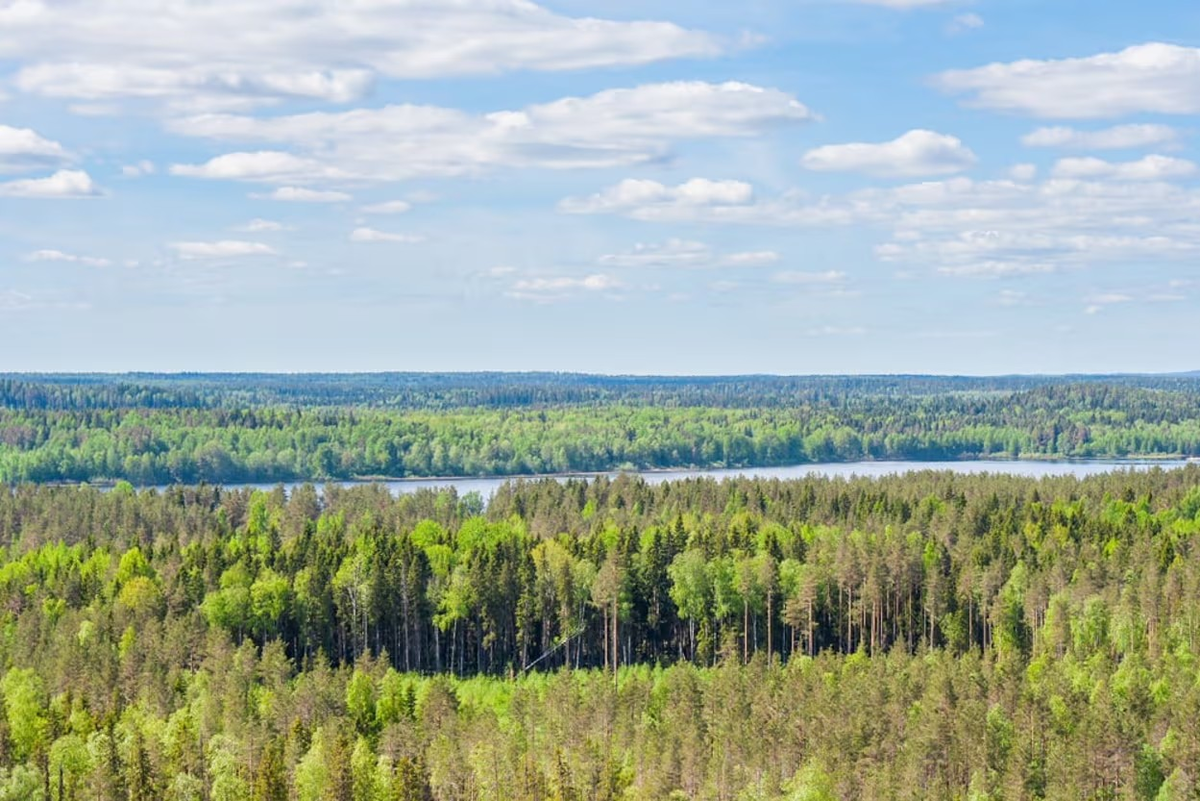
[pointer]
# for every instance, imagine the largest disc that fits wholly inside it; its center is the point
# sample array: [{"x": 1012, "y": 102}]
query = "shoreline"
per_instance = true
[
  {"x": 1174, "y": 462},
  {"x": 1113, "y": 460}
]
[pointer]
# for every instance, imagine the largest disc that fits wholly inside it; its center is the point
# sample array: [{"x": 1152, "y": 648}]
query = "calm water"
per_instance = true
[{"x": 486, "y": 487}]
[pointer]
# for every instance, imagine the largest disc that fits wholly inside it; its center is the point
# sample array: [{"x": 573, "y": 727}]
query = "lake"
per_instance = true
[{"x": 486, "y": 487}]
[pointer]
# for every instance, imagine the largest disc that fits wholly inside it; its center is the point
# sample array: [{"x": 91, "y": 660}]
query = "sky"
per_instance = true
[{"x": 651, "y": 187}]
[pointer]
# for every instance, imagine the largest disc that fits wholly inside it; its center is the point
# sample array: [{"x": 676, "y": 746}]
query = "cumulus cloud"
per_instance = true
[
  {"x": 641, "y": 195},
  {"x": 546, "y": 289},
  {"x": 23, "y": 149},
  {"x": 613, "y": 128},
  {"x": 1005, "y": 228},
  {"x": 62, "y": 184},
  {"x": 264, "y": 165},
  {"x": 682, "y": 253},
  {"x": 1148, "y": 78},
  {"x": 963, "y": 227},
  {"x": 1119, "y": 137},
  {"x": 231, "y": 54},
  {"x": 70, "y": 258},
  {"x": 916, "y": 153},
  {"x": 704, "y": 200},
  {"x": 373, "y": 235},
  {"x": 1150, "y": 168},
  {"x": 300, "y": 194},
  {"x": 224, "y": 249}
]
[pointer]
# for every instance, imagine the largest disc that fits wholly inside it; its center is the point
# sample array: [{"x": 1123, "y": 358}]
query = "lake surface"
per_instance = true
[{"x": 487, "y": 487}]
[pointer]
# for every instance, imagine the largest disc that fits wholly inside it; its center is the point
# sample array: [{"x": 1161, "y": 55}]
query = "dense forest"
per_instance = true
[
  {"x": 441, "y": 391},
  {"x": 924, "y": 636},
  {"x": 158, "y": 430}
]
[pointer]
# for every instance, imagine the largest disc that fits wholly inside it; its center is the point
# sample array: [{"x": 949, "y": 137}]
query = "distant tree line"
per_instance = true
[
  {"x": 442, "y": 391},
  {"x": 162, "y": 443}
]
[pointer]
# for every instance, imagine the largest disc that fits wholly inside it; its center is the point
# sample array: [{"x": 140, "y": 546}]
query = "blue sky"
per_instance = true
[{"x": 779, "y": 186}]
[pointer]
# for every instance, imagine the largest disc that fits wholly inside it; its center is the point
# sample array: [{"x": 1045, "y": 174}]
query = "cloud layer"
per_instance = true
[
  {"x": 1119, "y": 137},
  {"x": 613, "y": 128},
  {"x": 1155, "y": 77},
  {"x": 916, "y": 153},
  {"x": 223, "y": 249},
  {"x": 231, "y": 54},
  {"x": 1105, "y": 212},
  {"x": 62, "y": 184},
  {"x": 23, "y": 149}
]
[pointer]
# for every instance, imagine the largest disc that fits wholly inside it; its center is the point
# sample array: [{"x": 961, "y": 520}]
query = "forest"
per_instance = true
[
  {"x": 160, "y": 430},
  {"x": 922, "y": 636}
]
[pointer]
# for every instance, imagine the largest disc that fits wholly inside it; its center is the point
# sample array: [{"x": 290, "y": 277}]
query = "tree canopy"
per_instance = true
[{"x": 925, "y": 636}]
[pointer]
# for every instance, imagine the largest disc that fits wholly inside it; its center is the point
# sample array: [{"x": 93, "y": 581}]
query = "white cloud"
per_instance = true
[
  {"x": 751, "y": 258},
  {"x": 224, "y": 249},
  {"x": 233, "y": 54},
  {"x": 995, "y": 268},
  {"x": 299, "y": 194},
  {"x": 58, "y": 255},
  {"x": 259, "y": 225},
  {"x": 684, "y": 254},
  {"x": 1023, "y": 172},
  {"x": 1119, "y": 137},
  {"x": 139, "y": 170},
  {"x": 916, "y": 153},
  {"x": 1003, "y": 228},
  {"x": 372, "y": 235},
  {"x": 809, "y": 278},
  {"x": 963, "y": 23},
  {"x": 617, "y": 127},
  {"x": 703, "y": 200},
  {"x": 633, "y": 193},
  {"x": 547, "y": 289},
  {"x": 1149, "y": 78},
  {"x": 23, "y": 149},
  {"x": 62, "y": 184},
  {"x": 959, "y": 226},
  {"x": 388, "y": 207},
  {"x": 1150, "y": 168},
  {"x": 264, "y": 165}
]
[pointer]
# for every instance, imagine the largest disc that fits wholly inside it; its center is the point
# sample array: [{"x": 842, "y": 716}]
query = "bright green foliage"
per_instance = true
[
  {"x": 25, "y": 705},
  {"x": 971, "y": 637},
  {"x": 811, "y": 783}
]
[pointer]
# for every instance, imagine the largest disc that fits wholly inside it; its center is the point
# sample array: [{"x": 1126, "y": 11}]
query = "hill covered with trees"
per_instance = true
[
  {"x": 926, "y": 636},
  {"x": 155, "y": 430}
]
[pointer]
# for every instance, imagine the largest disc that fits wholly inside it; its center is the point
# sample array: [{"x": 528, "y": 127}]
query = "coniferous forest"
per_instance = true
[
  {"x": 925, "y": 636},
  {"x": 920, "y": 636}
]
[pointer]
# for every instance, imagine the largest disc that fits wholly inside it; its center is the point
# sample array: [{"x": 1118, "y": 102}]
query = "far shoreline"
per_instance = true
[{"x": 1173, "y": 461}]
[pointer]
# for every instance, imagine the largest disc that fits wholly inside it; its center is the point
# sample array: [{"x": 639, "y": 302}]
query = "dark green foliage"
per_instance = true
[{"x": 163, "y": 430}]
